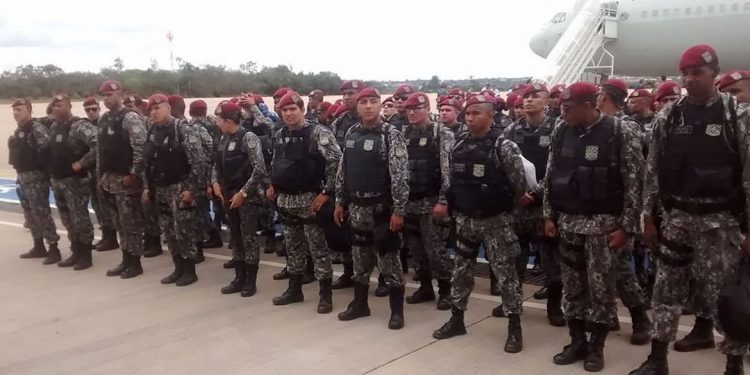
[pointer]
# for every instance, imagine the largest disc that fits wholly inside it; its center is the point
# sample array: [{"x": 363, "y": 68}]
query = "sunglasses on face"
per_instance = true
[
  {"x": 416, "y": 109},
  {"x": 91, "y": 109},
  {"x": 388, "y": 105},
  {"x": 400, "y": 98}
]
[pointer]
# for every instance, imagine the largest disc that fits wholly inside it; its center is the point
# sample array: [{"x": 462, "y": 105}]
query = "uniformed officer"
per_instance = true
[
  {"x": 402, "y": 92},
  {"x": 486, "y": 182},
  {"x": 501, "y": 121},
  {"x": 372, "y": 188},
  {"x": 510, "y": 101},
  {"x": 174, "y": 168},
  {"x": 639, "y": 106},
  {"x": 449, "y": 111},
  {"x": 591, "y": 192},
  {"x": 120, "y": 170},
  {"x": 135, "y": 103},
  {"x": 429, "y": 146},
  {"x": 696, "y": 181},
  {"x": 28, "y": 150},
  {"x": 666, "y": 93},
  {"x": 72, "y": 156},
  {"x": 314, "y": 100},
  {"x": 303, "y": 173},
  {"x": 553, "y": 103},
  {"x": 389, "y": 108},
  {"x": 736, "y": 83}
]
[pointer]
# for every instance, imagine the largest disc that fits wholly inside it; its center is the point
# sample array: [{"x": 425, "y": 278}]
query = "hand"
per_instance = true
[
  {"x": 650, "y": 232},
  {"x": 439, "y": 211},
  {"x": 318, "y": 202},
  {"x": 218, "y": 193},
  {"x": 128, "y": 181},
  {"x": 397, "y": 222},
  {"x": 526, "y": 200},
  {"x": 246, "y": 100},
  {"x": 186, "y": 197},
  {"x": 237, "y": 201},
  {"x": 550, "y": 229},
  {"x": 338, "y": 215},
  {"x": 77, "y": 166},
  {"x": 271, "y": 194},
  {"x": 145, "y": 196},
  {"x": 617, "y": 239}
]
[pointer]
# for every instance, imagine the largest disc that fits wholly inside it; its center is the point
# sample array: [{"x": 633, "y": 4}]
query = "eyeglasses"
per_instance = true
[
  {"x": 388, "y": 105},
  {"x": 416, "y": 109},
  {"x": 401, "y": 98},
  {"x": 91, "y": 109}
]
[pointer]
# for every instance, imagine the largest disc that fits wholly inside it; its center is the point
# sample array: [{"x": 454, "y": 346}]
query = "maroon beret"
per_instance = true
[
  {"x": 331, "y": 111},
  {"x": 699, "y": 55},
  {"x": 280, "y": 92},
  {"x": 388, "y": 99},
  {"x": 500, "y": 103},
  {"x": 60, "y": 98},
  {"x": 451, "y": 102},
  {"x": 157, "y": 99},
  {"x": 176, "y": 100},
  {"x": 615, "y": 86},
  {"x": 533, "y": 89},
  {"x": 90, "y": 100},
  {"x": 198, "y": 105},
  {"x": 416, "y": 99},
  {"x": 456, "y": 91},
  {"x": 317, "y": 94},
  {"x": 556, "y": 90},
  {"x": 21, "y": 102},
  {"x": 352, "y": 84},
  {"x": 290, "y": 98},
  {"x": 110, "y": 85},
  {"x": 258, "y": 99},
  {"x": 518, "y": 102},
  {"x": 340, "y": 110},
  {"x": 667, "y": 88},
  {"x": 369, "y": 92},
  {"x": 488, "y": 93},
  {"x": 134, "y": 99},
  {"x": 579, "y": 91},
  {"x": 324, "y": 106},
  {"x": 511, "y": 99},
  {"x": 732, "y": 78},
  {"x": 228, "y": 107},
  {"x": 640, "y": 93},
  {"x": 404, "y": 89},
  {"x": 480, "y": 99}
]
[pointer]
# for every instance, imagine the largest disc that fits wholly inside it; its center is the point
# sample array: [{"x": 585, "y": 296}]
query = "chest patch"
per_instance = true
[
  {"x": 713, "y": 130},
  {"x": 478, "y": 170},
  {"x": 545, "y": 140},
  {"x": 368, "y": 145},
  {"x": 592, "y": 153}
]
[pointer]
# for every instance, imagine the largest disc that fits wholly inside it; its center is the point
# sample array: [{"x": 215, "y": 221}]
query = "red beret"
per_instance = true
[
  {"x": 579, "y": 91},
  {"x": 388, "y": 99},
  {"x": 480, "y": 99},
  {"x": 511, "y": 99},
  {"x": 416, "y": 99},
  {"x": 290, "y": 98},
  {"x": 500, "y": 103},
  {"x": 198, "y": 105},
  {"x": 556, "y": 90},
  {"x": 176, "y": 100},
  {"x": 488, "y": 93},
  {"x": 340, "y": 110},
  {"x": 234, "y": 100},
  {"x": 60, "y": 98},
  {"x": 157, "y": 99},
  {"x": 699, "y": 55},
  {"x": 732, "y": 78},
  {"x": 618, "y": 85},
  {"x": 90, "y": 100},
  {"x": 21, "y": 102},
  {"x": 667, "y": 88},
  {"x": 228, "y": 107},
  {"x": 110, "y": 85},
  {"x": 324, "y": 106},
  {"x": 640, "y": 93},
  {"x": 451, "y": 102},
  {"x": 518, "y": 102},
  {"x": 353, "y": 84},
  {"x": 369, "y": 92},
  {"x": 532, "y": 89},
  {"x": 280, "y": 92},
  {"x": 134, "y": 99},
  {"x": 521, "y": 88},
  {"x": 331, "y": 111},
  {"x": 440, "y": 98},
  {"x": 456, "y": 91},
  {"x": 404, "y": 89},
  {"x": 258, "y": 99}
]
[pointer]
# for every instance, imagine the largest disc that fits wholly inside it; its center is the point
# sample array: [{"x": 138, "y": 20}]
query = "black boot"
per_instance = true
[
  {"x": 84, "y": 258},
  {"x": 231, "y": 263},
  {"x": 270, "y": 242},
  {"x": 614, "y": 326},
  {"x": 514, "y": 343},
  {"x": 641, "y": 326},
  {"x": 108, "y": 241},
  {"x": 152, "y": 246},
  {"x": 134, "y": 268},
  {"x": 578, "y": 347},
  {"x": 53, "y": 255},
  {"x": 214, "y": 240},
  {"x": 117, "y": 271},
  {"x": 700, "y": 337},
  {"x": 292, "y": 294},
  {"x": 594, "y": 361},
  {"x": 345, "y": 280},
  {"x": 444, "y": 294},
  {"x": 656, "y": 364},
  {"x": 498, "y": 311},
  {"x": 325, "y": 305},
  {"x": 75, "y": 254},
  {"x": 358, "y": 308},
  {"x": 188, "y": 276},
  {"x": 179, "y": 268},
  {"x": 454, "y": 327},
  {"x": 382, "y": 289},
  {"x": 494, "y": 287},
  {"x": 404, "y": 255},
  {"x": 249, "y": 287},
  {"x": 309, "y": 274},
  {"x": 38, "y": 251},
  {"x": 396, "y": 298},
  {"x": 282, "y": 275},
  {"x": 235, "y": 286},
  {"x": 199, "y": 257},
  {"x": 554, "y": 305},
  {"x": 542, "y": 293},
  {"x": 425, "y": 292},
  {"x": 734, "y": 365}
]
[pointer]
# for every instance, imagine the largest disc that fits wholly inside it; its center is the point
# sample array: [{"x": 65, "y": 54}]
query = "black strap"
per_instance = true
[{"x": 697, "y": 208}]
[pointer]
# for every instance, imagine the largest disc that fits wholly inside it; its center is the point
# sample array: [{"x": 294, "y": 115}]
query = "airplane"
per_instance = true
[{"x": 652, "y": 34}]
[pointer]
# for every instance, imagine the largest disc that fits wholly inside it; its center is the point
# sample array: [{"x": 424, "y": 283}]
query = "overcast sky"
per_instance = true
[{"x": 383, "y": 39}]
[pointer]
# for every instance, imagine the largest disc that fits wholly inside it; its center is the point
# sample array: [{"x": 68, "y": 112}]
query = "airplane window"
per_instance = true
[
  {"x": 722, "y": 8},
  {"x": 710, "y": 9},
  {"x": 688, "y": 11},
  {"x": 698, "y": 10},
  {"x": 665, "y": 13},
  {"x": 676, "y": 12},
  {"x": 644, "y": 14},
  {"x": 735, "y": 7},
  {"x": 747, "y": 6},
  {"x": 655, "y": 13}
]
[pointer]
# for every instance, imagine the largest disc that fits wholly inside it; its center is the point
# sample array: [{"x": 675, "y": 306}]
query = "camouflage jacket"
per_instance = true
[
  {"x": 136, "y": 130},
  {"x": 191, "y": 145},
  {"x": 256, "y": 185},
  {"x": 425, "y": 205},
  {"x": 42, "y": 139},
  {"x": 82, "y": 132}
]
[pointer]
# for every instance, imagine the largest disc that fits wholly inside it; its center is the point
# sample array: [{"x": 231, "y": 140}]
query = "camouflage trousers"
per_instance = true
[
  {"x": 205, "y": 223},
  {"x": 104, "y": 214},
  {"x": 501, "y": 245},
  {"x": 533, "y": 229},
  {"x": 151, "y": 218},
  {"x": 628, "y": 289},
  {"x": 364, "y": 254},
  {"x": 72, "y": 200},
  {"x": 35, "y": 187},
  {"x": 588, "y": 281},
  {"x": 712, "y": 258},
  {"x": 303, "y": 236},
  {"x": 243, "y": 224},
  {"x": 128, "y": 210},
  {"x": 426, "y": 241},
  {"x": 177, "y": 221}
]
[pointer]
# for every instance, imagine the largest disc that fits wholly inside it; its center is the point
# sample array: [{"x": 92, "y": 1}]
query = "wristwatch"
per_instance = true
[{"x": 243, "y": 193}]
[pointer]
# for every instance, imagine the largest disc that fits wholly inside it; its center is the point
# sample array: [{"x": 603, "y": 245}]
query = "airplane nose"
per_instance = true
[{"x": 540, "y": 44}]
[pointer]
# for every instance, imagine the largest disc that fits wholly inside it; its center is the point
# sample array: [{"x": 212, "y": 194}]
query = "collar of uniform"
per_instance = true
[
  {"x": 716, "y": 96},
  {"x": 378, "y": 126}
]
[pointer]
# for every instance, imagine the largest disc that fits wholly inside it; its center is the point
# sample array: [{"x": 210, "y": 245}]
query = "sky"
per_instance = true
[{"x": 377, "y": 40}]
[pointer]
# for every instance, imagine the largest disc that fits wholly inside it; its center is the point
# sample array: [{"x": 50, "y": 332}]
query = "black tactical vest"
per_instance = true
[
  {"x": 423, "y": 147},
  {"x": 344, "y": 123},
  {"x": 700, "y": 158},
  {"x": 366, "y": 170},
  {"x": 586, "y": 179},
  {"x": 64, "y": 153},
  {"x": 399, "y": 121},
  {"x": 479, "y": 186},
  {"x": 23, "y": 153},
  {"x": 534, "y": 144},
  {"x": 165, "y": 156},
  {"x": 232, "y": 163},
  {"x": 298, "y": 167},
  {"x": 264, "y": 133},
  {"x": 114, "y": 143}
]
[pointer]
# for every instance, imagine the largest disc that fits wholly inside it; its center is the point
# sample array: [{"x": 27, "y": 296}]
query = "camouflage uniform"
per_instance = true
[
  {"x": 72, "y": 193},
  {"x": 363, "y": 219},
  {"x": 340, "y": 127},
  {"x": 263, "y": 127},
  {"x": 705, "y": 247},
  {"x": 126, "y": 201},
  {"x": 205, "y": 224},
  {"x": 152, "y": 229},
  {"x": 302, "y": 235},
  {"x": 104, "y": 215}
]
